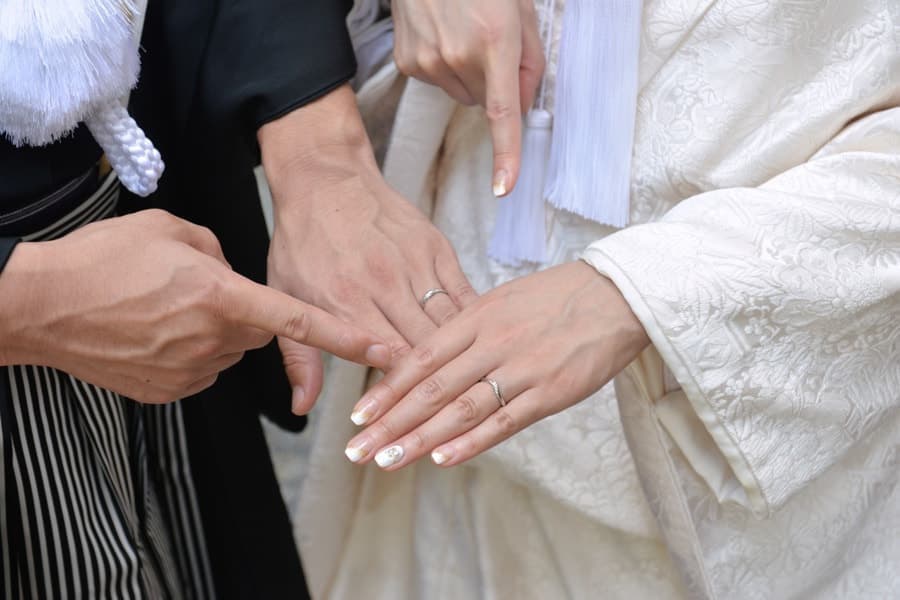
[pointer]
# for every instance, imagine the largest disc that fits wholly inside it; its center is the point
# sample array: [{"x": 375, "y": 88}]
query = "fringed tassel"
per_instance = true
[
  {"x": 594, "y": 108},
  {"x": 58, "y": 60},
  {"x": 519, "y": 231}
]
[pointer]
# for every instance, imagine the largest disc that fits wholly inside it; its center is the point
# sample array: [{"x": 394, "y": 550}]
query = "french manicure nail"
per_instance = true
[
  {"x": 439, "y": 457},
  {"x": 357, "y": 452},
  {"x": 378, "y": 354},
  {"x": 389, "y": 456},
  {"x": 500, "y": 183},
  {"x": 363, "y": 413}
]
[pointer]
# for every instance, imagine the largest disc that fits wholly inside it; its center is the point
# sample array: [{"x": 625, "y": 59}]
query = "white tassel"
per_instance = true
[
  {"x": 63, "y": 62},
  {"x": 520, "y": 228},
  {"x": 594, "y": 110},
  {"x": 58, "y": 58}
]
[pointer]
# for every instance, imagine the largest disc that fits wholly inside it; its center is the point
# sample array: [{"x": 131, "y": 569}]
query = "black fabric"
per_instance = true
[
  {"x": 27, "y": 173},
  {"x": 213, "y": 71},
  {"x": 6, "y": 247},
  {"x": 49, "y": 208}
]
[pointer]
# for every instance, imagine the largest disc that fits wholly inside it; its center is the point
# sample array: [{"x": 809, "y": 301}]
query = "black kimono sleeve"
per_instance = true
[{"x": 256, "y": 60}]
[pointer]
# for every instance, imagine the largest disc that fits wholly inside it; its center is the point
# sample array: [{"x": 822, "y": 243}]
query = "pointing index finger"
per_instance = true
[
  {"x": 254, "y": 305},
  {"x": 504, "y": 113}
]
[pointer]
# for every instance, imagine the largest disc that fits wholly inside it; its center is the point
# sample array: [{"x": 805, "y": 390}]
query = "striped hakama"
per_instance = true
[{"x": 96, "y": 494}]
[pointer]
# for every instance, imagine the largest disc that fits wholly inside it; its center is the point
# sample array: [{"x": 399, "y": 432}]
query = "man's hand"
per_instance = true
[
  {"x": 486, "y": 53},
  {"x": 345, "y": 241},
  {"x": 147, "y": 306}
]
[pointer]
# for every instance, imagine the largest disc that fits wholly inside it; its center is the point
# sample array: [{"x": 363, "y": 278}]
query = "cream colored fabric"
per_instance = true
[{"x": 764, "y": 262}]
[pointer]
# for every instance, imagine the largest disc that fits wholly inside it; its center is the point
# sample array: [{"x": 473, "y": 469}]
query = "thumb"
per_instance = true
[{"x": 303, "y": 365}]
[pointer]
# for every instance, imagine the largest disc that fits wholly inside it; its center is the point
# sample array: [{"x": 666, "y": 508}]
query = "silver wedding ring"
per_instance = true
[
  {"x": 498, "y": 394},
  {"x": 431, "y": 294}
]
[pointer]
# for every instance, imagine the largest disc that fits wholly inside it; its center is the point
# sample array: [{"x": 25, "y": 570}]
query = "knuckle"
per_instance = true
[
  {"x": 382, "y": 270},
  {"x": 505, "y": 422},
  {"x": 446, "y": 317},
  {"x": 206, "y": 383},
  {"x": 429, "y": 62},
  {"x": 233, "y": 360},
  {"x": 204, "y": 350},
  {"x": 299, "y": 326},
  {"x": 404, "y": 64},
  {"x": 417, "y": 440},
  {"x": 208, "y": 237},
  {"x": 430, "y": 392},
  {"x": 424, "y": 356},
  {"x": 464, "y": 290},
  {"x": 456, "y": 58},
  {"x": 159, "y": 215},
  {"x": 399, "y": 349},
  {"x": 497, "y": 110},
  {"x": 466, "y": 409}
]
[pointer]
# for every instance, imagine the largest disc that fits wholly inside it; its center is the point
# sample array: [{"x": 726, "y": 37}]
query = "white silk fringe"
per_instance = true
[
  {"x": 520, "y": 229},
  {"x": 67, "y": 61},
  {"x": 594, "y": 110}
]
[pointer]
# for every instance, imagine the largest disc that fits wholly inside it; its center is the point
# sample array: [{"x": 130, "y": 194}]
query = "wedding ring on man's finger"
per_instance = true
[
  {"x": 431, "y": 294},
  {"x": 495, "y": 386}
]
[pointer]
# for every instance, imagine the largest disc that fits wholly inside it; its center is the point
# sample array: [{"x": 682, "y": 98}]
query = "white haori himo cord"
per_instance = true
[
  {"x": 63, "y": 62},
  {"x": 594, "y": 110},
  {"x": 520, "y": 234}
]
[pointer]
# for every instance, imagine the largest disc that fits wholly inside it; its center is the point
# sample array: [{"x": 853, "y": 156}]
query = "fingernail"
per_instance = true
[
  {"x": 298, "y": 396},
  {"x": 389, "y": 456},
  {"x": 500, "y": 183},
  {"x": 364, "y": 412},
  {"x": 357, "y": 451},
  {"x": 439, "y": 457},
  {"x": 378, "y": 354}
]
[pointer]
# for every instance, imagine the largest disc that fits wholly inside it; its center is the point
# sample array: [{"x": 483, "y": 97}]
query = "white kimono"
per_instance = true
[{"x": 754, "y": 450}]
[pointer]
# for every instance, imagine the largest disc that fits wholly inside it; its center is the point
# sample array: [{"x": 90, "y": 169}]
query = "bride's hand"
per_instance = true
[
  {"x": 479, "y": 52},
  {"x": 548, "y": 340}
]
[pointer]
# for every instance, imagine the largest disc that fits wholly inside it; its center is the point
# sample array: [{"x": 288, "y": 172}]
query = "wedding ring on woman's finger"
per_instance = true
[
  {"x": 431, "y": 294},
  {"x": 495, "y": 386}
]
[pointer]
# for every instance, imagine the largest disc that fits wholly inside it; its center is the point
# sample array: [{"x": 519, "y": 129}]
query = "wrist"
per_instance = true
[
  {"x": 19, "y": 301},
  {"x": 603, "y": 295},
  {"x": 320, "y": 143}
]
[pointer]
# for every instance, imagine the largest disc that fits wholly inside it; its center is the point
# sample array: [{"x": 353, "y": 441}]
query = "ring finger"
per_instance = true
[
  {"x": 466, "y": 412},
  {"x": 437, "y": 304}
]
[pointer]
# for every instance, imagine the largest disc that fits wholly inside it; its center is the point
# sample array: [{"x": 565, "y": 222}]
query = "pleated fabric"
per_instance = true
[{"x": 96, "y": 494}]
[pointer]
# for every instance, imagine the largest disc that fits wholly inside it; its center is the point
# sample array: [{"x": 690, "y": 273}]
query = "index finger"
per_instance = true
[
  {"x": 504, "y": 113},
  {"x": 254, "y": 305}
]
